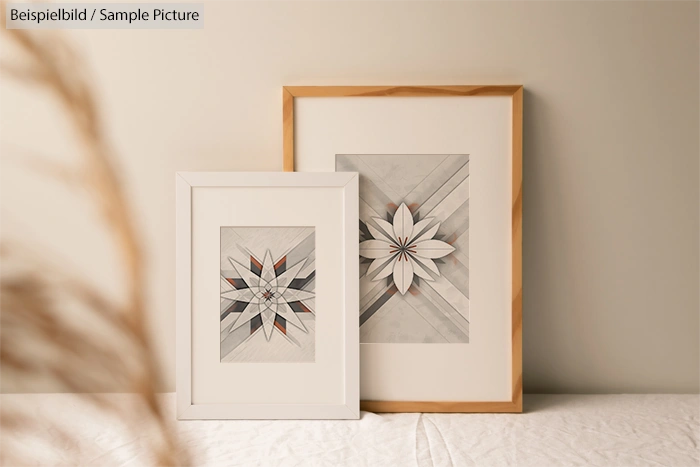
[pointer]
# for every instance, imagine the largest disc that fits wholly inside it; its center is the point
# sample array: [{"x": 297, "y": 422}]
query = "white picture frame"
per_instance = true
[{"x": 204, "y": 199}]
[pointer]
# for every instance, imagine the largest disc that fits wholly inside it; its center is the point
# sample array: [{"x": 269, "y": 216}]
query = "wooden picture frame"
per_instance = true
[{"x": 515, "y": 93}]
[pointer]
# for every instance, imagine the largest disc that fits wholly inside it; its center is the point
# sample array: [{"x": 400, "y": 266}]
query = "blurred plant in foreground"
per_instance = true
[{"x": 100, "y": 344}]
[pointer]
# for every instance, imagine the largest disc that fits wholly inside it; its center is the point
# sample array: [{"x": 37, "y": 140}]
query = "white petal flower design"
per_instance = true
[
  {"x": 403, "y": 250},
  {"x": 268, "y": 295}
]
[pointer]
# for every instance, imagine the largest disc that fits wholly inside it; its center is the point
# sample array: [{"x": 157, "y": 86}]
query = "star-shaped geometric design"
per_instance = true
[{"x": 267, "y": 294}]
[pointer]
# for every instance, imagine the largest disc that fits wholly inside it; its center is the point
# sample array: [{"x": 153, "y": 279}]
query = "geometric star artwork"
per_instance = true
[
  {"x": 267, "y": 287},
  {"x": 414, "y": 247}
]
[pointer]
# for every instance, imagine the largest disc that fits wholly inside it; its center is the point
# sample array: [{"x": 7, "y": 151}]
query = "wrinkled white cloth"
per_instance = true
[{"x": 556, "y": 430}]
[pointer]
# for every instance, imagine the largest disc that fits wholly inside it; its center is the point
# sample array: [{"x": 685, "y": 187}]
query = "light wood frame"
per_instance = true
[
  {"x": 347, "y": 409},
  {"x": 515, "y": 92}
]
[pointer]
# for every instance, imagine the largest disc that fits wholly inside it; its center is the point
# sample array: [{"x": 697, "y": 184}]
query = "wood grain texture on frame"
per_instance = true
[{"x": 515, "y": 405}]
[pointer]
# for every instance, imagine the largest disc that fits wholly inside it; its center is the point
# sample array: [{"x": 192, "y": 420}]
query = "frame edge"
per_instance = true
[
  {"x": 183, "y": 294},
  {"x": 403, "y": 91},
  {"x": 440, "y": 407},
  {"x": 287, "y": 130},
  {"x": 352, "y": 299},
  {"x": 517, "y": 251}
]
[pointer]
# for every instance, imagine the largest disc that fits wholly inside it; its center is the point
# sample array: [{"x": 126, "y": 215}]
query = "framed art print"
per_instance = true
[
  {"x": 414, "y": 247},
  {"x": 261, "y": 295},
  {"x": 440, "y": 216},
  {"x": 267, "y": 301}
]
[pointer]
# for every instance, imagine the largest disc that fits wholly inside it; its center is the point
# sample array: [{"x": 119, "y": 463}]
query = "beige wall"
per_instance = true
[{"x": 611, "y": 153}]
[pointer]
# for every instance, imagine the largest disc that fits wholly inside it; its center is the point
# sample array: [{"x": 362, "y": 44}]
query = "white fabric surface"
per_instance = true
[{"x": 556, "y": 430}]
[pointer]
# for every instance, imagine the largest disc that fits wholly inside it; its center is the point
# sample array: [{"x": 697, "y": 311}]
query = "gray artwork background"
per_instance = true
[
  {"x": 296, "y": 243},
  {"x": 431, "y": 186}
]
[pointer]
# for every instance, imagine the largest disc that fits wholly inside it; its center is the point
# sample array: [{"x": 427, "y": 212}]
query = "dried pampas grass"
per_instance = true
[{"x": 100, "y": 344}]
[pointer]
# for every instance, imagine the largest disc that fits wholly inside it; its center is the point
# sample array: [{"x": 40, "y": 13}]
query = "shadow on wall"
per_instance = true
[{"x": 549, "y": 270}]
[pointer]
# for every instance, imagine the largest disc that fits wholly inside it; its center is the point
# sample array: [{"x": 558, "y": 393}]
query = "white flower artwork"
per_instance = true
[
  {"x": 414, "y": 247},
  {"x": 404, "y": 250}
]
